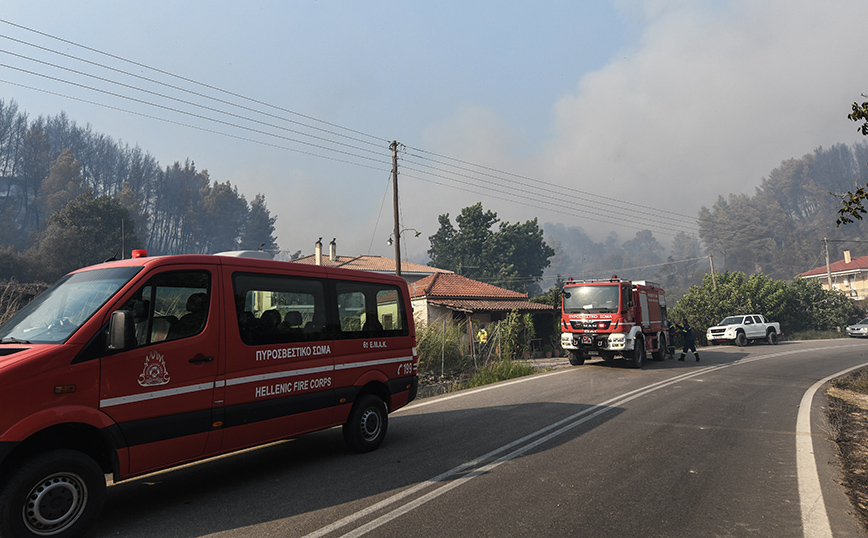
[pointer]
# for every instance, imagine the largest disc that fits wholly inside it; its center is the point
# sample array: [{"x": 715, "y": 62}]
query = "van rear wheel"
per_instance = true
[
  {"x": 366, "y": 426},
  {"x": 58, "y": 493}
]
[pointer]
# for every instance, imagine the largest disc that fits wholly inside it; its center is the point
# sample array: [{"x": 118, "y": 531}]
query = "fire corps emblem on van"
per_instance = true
[{"x": 155, "y": 372}]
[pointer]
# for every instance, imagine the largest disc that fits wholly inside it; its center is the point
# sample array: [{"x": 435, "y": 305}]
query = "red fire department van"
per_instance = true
[
  {"x": 607, "y": 318},
  {"x": 137, "y": 365}
]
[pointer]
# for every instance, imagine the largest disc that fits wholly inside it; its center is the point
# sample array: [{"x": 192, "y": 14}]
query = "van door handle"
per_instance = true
[{"x": 201, "y": 359}]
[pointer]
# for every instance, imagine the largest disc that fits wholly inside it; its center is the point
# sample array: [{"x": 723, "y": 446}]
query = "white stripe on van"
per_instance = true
[
  {"x": 349, "y": 365},
  {"x": 278, "y": 375},
  {"x": 165, "y": 393}
]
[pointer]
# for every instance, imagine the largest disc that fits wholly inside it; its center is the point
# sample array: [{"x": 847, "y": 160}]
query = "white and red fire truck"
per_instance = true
[{"x": 613, "y": 317}]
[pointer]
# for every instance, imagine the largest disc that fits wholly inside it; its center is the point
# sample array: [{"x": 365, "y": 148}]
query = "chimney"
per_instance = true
[
  {"x": 847, "y": 258},
  {"x": 333, "y": 250},
  {"x": 318, "y": 251}
]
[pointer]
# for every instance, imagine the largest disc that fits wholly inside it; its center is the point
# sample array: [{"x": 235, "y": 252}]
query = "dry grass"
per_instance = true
[
  {"x": 14, "y": 296},
  {"x": 847, "y": 417}
]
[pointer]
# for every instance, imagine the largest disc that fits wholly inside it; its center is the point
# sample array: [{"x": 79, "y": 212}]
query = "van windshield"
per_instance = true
[
  {"x": 602, "y": 298},
  {"x": 60, "y": 310}
]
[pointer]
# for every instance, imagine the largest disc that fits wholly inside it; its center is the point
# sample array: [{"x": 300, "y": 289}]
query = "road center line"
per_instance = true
[{"x": 533, "y": 439}]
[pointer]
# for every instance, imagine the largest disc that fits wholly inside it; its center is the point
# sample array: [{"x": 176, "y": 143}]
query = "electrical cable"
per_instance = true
[
  {"x": 542, "y": 182},
  {"x": 154, "y": 81},
  {"x": 184, "y": 112},
  {"x": 190, "y": 126},
  {"x": 179, "y": 77},
  {"x": 619, "y": 203}
]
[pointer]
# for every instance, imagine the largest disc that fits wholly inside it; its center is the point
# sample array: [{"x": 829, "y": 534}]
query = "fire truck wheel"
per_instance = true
[
  {"x": 638, "y": 355},
  {"x": 577, "y": 358},
  {"x": 366, "y": 427},
  {"x": 740, "y": 339},
  {"x": 58, "y": 493},
  {"x": 660, "y": 353}
]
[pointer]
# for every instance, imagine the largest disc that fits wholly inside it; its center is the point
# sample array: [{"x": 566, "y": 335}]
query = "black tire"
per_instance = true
[
  {"x": 577, "y": 358},
  {"x": 58, "y": 493},
  {"x": 660, "y": 353},
  {"x": 772, "y": 338},
  {"x": 637, "y": 358},
  {"x": 366, "y": 426},
  {"x": 740, "y": 339}
]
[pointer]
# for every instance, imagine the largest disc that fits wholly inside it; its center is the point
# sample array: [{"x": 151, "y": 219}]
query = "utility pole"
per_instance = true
[
  {"x": 828, "y": 266},
  {"x": 394, "y": 147},
  {"x": 713, "y": 276}
]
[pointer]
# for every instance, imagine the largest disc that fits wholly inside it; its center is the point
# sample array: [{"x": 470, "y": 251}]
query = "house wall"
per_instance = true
[{"x": 853, "y": 285}]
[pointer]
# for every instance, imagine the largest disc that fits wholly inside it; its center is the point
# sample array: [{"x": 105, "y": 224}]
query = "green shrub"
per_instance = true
[
  {"x": 498, "y": 371},
  {"x": 440, "y": 348}
]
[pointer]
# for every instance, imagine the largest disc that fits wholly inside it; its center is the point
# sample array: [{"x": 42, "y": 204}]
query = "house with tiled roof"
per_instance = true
[
  {"x": 377, "y": 264},
  {"x": 449, "y": 294},
  {"x": 849, "y": 276}
]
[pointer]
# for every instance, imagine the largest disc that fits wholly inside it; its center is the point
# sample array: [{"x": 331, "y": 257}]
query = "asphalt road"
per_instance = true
[{"x": 675, "y": 449}]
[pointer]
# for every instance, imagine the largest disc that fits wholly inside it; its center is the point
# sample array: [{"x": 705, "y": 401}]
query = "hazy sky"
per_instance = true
[{"x": 587, "y": 113}]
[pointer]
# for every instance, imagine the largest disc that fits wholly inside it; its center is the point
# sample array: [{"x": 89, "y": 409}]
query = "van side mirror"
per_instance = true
[{"x": 122, "y": 331}]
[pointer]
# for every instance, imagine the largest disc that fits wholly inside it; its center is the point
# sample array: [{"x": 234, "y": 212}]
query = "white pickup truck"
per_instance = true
[{"x": 744, "y": 329}]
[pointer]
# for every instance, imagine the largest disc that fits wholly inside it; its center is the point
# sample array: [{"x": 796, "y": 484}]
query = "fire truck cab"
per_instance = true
[{"x": 613, "y": 317}]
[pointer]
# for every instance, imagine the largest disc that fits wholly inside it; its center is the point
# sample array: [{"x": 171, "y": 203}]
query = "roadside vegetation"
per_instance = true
[
  {"x": 449, "y": 361},
  {"x": 801, "y": 306},
  {"x": 847, "y": 417}
]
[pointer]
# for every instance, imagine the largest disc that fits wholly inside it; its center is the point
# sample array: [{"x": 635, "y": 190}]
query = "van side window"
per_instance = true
[
  {"x": 275, "y": 309},
  {"x": 367, "y": 310},
  {"x": 171, "y": 305}
]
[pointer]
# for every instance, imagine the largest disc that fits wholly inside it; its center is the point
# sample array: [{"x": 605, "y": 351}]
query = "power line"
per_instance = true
[
  {"x": 179, "y": 77},
  {"x": 550, "y": 207},
  {"x": 520, "y": 189},
  {"x": 154, "y": 81},
  {"x": 554, "y": 185},
  {"x": 535, "y": 191},
  {"x": 187, "y": 125},
  {"x": 179, "y": 111}
]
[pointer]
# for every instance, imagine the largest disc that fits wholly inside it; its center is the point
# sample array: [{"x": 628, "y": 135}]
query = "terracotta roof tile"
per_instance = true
[
  {"x": 370, "y": 263},
  {"x": 480, "y": 305},
  {"x": 856, "y": 264},
  {"x": 450, "y": 285}
]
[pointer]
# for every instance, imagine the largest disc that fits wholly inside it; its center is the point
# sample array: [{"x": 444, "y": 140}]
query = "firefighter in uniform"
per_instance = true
[{"x": 689, "y": 340}]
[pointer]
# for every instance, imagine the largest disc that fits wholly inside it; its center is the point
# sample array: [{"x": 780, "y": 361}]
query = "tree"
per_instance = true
[
  {"x": 852, "y": 202},
  {"x": 35, "y": 164},
  {"x": 64, "y": 183},
  {"x": 259, "y": 231},
  {"x": 513, "y": 256},
  {"x": 220, "y": 219},
  {"x": 84, "y": 232},
  {"x": 799, "y": 305}
]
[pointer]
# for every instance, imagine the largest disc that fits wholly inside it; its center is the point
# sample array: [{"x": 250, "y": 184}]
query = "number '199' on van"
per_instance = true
[{"x": 138, "y": 365}]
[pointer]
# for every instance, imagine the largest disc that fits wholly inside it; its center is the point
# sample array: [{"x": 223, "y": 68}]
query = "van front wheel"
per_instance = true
[
  {"x": 366, "y": 427},
  {"x": 58, "y": 493}
]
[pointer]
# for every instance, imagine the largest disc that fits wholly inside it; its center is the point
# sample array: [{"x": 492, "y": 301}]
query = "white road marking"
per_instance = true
[
  {"x": 815, "y": 520},
  {"x": 443, "y": 483}
]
